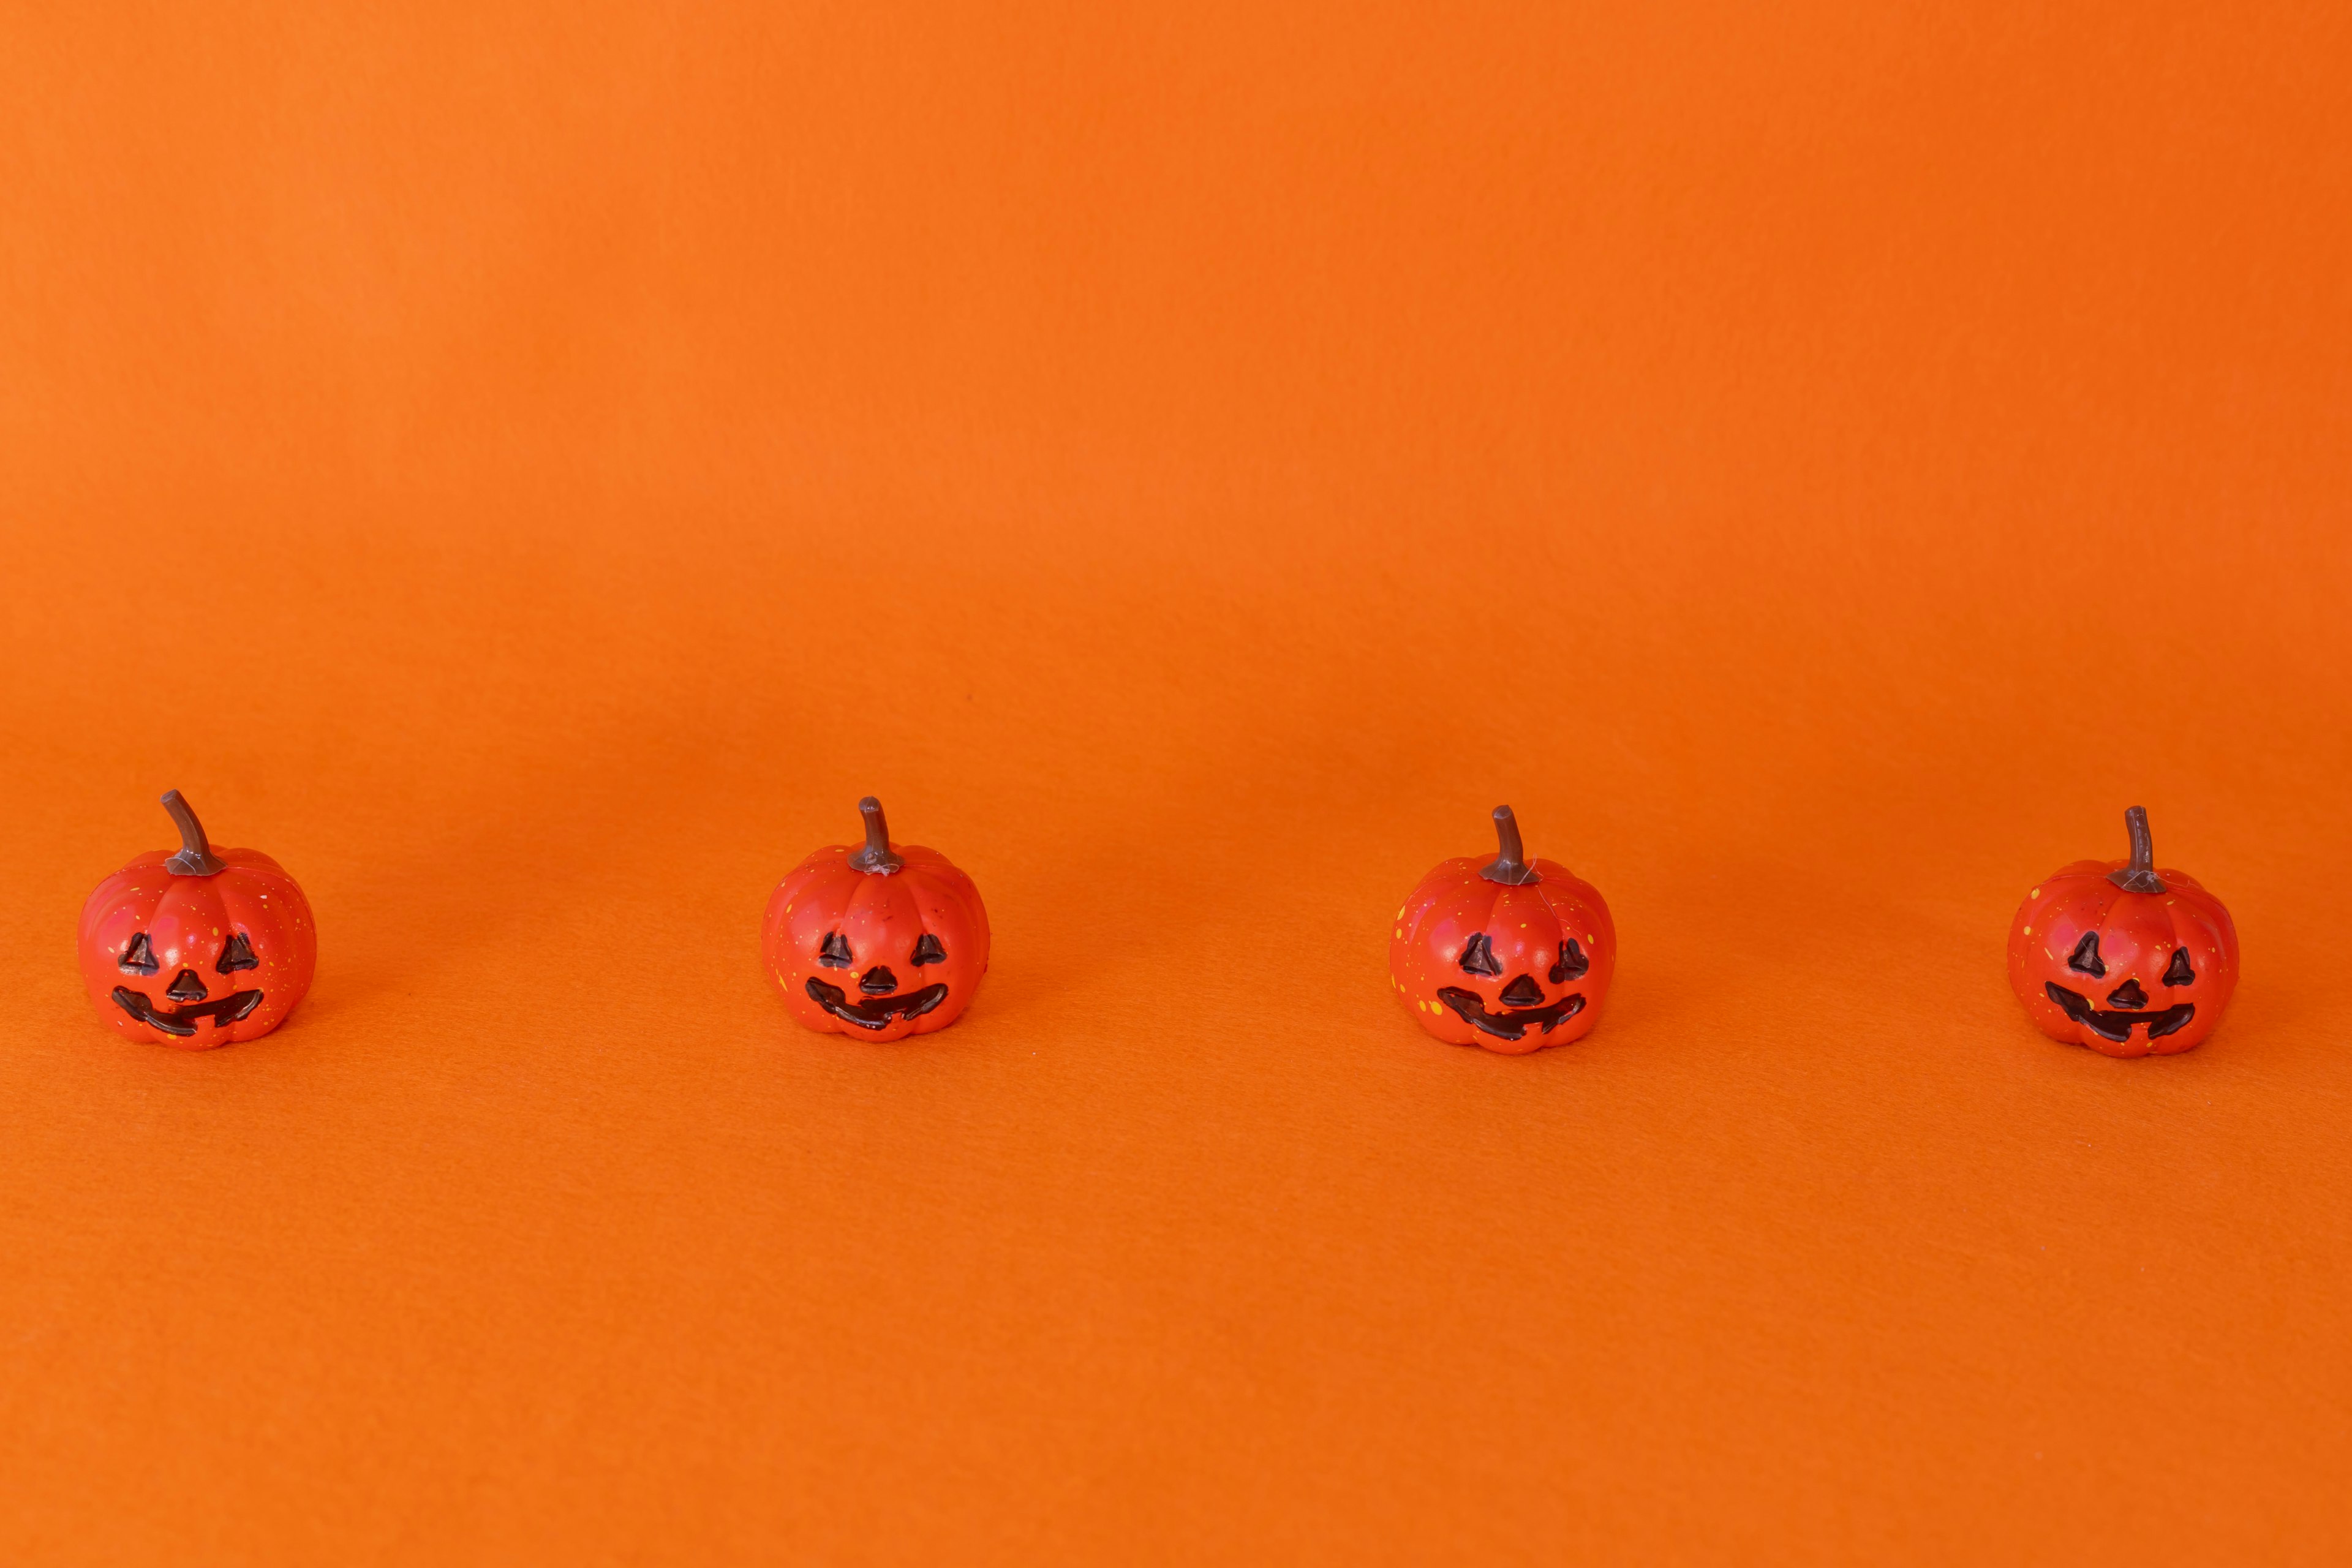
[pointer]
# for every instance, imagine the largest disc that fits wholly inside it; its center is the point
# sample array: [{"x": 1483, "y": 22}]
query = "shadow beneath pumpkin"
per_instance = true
[
  {"x": 1089, "y": 931},
  {"x": 548, "y": 872}
]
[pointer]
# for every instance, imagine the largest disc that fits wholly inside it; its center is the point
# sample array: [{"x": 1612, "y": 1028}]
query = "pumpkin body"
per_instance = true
[
  {"x": 1510, "y": 967},
  {"x": 197, "y": 961},
  {"x": 2126, "y": 973},
  {"x": 877, "y": 955}
]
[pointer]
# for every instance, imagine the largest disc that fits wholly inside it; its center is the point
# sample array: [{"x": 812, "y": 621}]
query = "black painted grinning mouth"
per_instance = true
[
  {"x": 2118, "y": 1026},
  {"x": 236, "y": 1005},
  {"x": 1514, "y": 1023},
  {"x": 877, "y": 1014}
]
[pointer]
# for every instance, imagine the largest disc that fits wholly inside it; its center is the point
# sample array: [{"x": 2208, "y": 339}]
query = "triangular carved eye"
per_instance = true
[
  {"x": 834, "y": 955},
  {"x": 237, "y": 955},
  {"x": 2086, "y": 959},
  {"x": 2178, "y": 972},
  {"x": 928, "y": 950},
  {"x": 1478, "y": 957},
  {"x": 1573, "y": 963},
  {"x": 139, "y": 958}
]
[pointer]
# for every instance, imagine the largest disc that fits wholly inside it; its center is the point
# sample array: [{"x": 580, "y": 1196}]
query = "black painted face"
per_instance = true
[
  {"x": 884, "y": 1004},
  {"x": 2128, "y": 1002},
  {"x": 1523, "y": 1005},
  {"x": 186, "y": 989}
]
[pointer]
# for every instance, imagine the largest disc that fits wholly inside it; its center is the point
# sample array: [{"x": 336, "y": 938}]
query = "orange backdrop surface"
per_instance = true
[{"x": 531, "y": 470}]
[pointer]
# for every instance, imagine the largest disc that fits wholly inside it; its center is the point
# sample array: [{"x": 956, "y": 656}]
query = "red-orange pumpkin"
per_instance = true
[
  {"x": 879, "y": 941},
  {"x": 2124, "y": 958},
  {"x": 197, "y": 948},
  {"x": 1510, "y": 954}
]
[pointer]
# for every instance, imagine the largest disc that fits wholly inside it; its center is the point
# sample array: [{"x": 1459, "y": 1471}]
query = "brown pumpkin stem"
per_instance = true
[
  {"x": 196, "y": 858},
  {"x": 2139, "y": 876},
  {"x": 1510, "y": 868},
  {"x": 875, "y": 856}
]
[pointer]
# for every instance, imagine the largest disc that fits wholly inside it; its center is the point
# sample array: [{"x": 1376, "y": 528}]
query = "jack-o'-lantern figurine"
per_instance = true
[
  {"x": 2124, "y": 958},
  {"x": 1511, "y": 954},
  {"x": 198, "y": 948},
  {"x": 879, "y": 941}
]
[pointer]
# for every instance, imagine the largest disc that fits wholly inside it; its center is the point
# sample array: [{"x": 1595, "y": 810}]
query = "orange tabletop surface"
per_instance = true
[{"x": 531, "y": 470}]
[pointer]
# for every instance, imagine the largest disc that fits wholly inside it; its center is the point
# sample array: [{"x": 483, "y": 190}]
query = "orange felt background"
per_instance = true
[{"x": 531, "y": 468}]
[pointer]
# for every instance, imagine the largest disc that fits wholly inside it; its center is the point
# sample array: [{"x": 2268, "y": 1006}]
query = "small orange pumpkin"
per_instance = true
[
  {"x": 880, "y": 941},
  {"x": 2124, "y": 958},
  {"x": 1513, "y": 954},
  {"x": 198, "y": 948}
]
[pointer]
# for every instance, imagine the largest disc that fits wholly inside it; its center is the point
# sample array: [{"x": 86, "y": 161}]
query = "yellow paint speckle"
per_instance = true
[
  {"x": 2035, "y": 894},
  {"x": 2029, "y": 930}
]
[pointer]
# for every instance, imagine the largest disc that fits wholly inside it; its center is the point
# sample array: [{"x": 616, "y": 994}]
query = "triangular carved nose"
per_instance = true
[
  {"x": 186, "y": 987},
  {"x": 878, "y": 981},
  {"x": 1522, "y": 992},
  {"x": 2127, "y": 994}
]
